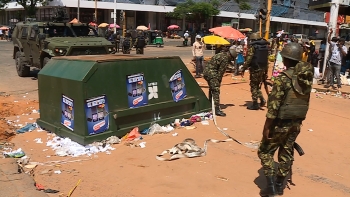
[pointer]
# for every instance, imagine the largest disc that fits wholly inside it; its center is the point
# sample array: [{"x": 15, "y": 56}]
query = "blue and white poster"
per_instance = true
[
  {"x": 97, "y": 116},
  {"x": 136, "y": 88},
  {"x": 67, "y": 117},
  {"x": 177, "y": 86}
]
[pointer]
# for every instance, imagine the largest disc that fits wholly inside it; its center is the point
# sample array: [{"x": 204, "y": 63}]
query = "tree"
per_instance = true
[
  {"x": 243, "y": 5},
  {"x": 28, "y": 5},
  {"x": 196, "y": 13}
]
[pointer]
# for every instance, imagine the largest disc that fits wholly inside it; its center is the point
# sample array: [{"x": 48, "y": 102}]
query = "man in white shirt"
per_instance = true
[
  {"x": 338, "y": 51},
  {"x": 186, "y": 35},
  {"x": 197, "y": 52}
]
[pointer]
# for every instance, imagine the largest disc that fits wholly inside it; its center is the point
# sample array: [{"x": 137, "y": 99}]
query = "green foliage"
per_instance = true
[
  {"x": 243, "y": 4},
  {"x": 196, "y": 12},
  {"x": 28, "y": 5}
]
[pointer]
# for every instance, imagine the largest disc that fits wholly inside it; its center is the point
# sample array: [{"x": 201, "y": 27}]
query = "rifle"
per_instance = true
[{"x": 301, "y": 152}]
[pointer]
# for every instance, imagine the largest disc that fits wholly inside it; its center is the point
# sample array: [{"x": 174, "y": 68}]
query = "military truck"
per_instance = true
[{"x": 35, "y": 43}]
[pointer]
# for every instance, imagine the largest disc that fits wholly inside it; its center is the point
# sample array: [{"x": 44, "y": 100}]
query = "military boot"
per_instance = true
[
  {"x": 279, "y": 185},
  {"x": 218, "y": 112},
  {"x": 262, "y": 101},
  {"x": 270, "y": 190},
  {"x": 255, "y": 106}
]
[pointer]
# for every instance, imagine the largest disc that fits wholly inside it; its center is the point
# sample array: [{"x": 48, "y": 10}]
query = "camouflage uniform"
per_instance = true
[
  {"x": 283, "y": 132},
  {"x": 257, "y": 76},
  {"x": 213, "y": 73},
  {"x": 117, "y": 42}
]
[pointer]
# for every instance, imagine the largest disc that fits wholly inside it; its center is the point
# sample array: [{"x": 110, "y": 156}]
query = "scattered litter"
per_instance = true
[
  {"x": 14, "y": 154},
  {"x": 222, "y": 178},
  {"x": 157, "y": 129},
  {"x": 252, "y": 144},
  {"x": 15, "y": 101},
  {"x": 38, "y": 140},
  {"x": 51, "y": 191},
  {"x": 57, "y": 172},
  {"x": 72, "y": 190},
  {"x": 310, "y": 130},
  {"x": 225, "y": 129},
  {"x": 142, "y": 144},
  {"x": 313, "y": 90},
  {"x": 205, "y": 122},
  {"x": 31, "y": 166},
  {"x": 190, "y": 127},
  {"x": 66, "y": 147},
  {"x": 134, "y": 133},
  {"x": 45, "y": 149},
  {"x": 6, "y": 145},
  {"x": 34, "y": 111},
  {"x": 29, "y": 127},
  {"x": 174, "y": 134},
  {"x": 112, "y": 140}
]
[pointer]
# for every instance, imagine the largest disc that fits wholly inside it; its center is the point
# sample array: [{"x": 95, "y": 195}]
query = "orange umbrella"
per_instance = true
[
  {"x": 74, "y": 21},
  {"x": 227, "y": 32}
]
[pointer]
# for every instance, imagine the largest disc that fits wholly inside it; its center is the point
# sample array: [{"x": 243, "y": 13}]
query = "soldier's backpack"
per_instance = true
[
  {"x": 126, "y": 42},
  {"x": 296, "y": 102},
  {"x": 261, "y": 53},
  {"x": 140, "y": 42}
]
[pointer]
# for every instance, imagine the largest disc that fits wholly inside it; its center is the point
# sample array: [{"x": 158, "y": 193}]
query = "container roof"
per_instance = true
[{"x": 109, "y": 58}]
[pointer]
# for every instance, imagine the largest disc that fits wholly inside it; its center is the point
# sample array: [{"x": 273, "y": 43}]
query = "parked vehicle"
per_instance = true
[
  {"x": 35, "y": 43},
  {"x": 301, "y": 37},
  {"x": 154, "y": 37}
]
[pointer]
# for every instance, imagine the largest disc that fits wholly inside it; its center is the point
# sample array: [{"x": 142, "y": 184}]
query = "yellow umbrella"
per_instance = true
[
  {"x": 215, "y": 40},
  {"x": 103, "y": 25}
]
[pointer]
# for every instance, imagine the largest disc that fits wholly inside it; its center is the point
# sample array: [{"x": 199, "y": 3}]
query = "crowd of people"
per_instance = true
[
  {"x": 6, "y": 34},
  {"x": 288, "y": 101}
]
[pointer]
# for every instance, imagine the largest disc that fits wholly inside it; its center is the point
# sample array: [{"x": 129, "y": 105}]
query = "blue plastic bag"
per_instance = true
[{"x": 240, "y": 58}]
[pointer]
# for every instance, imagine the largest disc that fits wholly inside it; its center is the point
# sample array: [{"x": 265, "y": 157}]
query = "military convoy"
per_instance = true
[{"x": 35, "y": 43}]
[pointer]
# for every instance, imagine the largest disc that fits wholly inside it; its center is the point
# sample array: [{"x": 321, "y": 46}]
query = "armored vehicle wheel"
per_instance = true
[
  {"x": 46, "y": 60},
  {"x": 22, "y": 70}
]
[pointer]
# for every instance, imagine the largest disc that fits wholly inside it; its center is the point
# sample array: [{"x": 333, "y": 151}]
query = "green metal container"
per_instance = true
[{"x": 89, "y": 98}]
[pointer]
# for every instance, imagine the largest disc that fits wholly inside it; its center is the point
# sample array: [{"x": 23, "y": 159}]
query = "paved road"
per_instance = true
[{"x": 13, "y": 84}]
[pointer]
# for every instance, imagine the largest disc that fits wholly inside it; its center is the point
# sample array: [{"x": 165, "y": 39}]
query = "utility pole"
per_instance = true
[
  {"x": 115, "y": 16},
  {"x": 124, "y": 22},
  {"x": 260, "y": 27},
  {"x": 78, "y": 11},
  {"x": 333, "y": 20},
  {"x": 239, "y": 16},
  {"x": 268, "y": 18},
  {"x": 96, "y": 11}
]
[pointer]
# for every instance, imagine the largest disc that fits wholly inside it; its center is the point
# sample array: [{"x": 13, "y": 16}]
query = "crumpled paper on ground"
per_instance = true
[
  {"x": 67, "y": 147},
  {"x": 156, "y": 128}
]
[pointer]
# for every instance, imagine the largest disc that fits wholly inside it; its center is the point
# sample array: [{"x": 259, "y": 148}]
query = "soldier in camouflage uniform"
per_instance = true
[
  {"x": 257, "y": 61},
  {"x": 213, "y": 73},
  {"x": 287, "y": 106}
]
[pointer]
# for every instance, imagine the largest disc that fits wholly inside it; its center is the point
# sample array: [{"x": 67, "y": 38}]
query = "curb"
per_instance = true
[{"x": 329, "y": 90}]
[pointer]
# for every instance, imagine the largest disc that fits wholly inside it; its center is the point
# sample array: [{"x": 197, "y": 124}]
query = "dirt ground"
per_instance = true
[{"x": 228, "y": 169}]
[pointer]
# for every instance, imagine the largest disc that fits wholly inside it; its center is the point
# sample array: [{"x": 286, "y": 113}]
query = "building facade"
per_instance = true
[{"x": 290, "y": 15}]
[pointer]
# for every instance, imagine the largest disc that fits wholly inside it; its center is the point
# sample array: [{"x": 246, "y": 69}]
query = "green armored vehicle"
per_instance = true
[{"x": 35, "y": 43}]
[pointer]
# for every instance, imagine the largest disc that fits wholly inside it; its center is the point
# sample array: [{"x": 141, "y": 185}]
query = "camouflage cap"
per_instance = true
[{"x": 302, "y": 78}]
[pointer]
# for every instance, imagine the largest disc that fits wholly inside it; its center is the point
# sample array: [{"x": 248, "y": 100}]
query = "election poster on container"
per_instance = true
[
  {"x": 97, "y": 116},
  {"x": 67, "y": 117},
  {"x": 177, "y": 86},
  {"x": 136, "y": 88}
]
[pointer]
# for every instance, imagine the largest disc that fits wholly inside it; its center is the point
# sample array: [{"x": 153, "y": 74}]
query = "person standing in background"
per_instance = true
[{"x": 197, "y": 52}]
